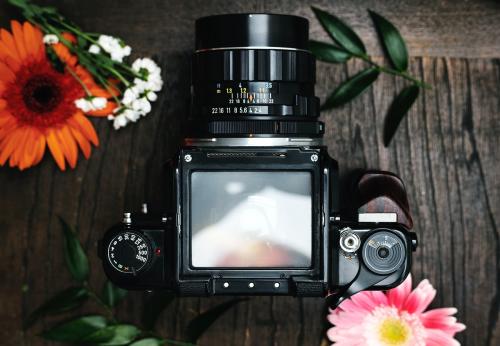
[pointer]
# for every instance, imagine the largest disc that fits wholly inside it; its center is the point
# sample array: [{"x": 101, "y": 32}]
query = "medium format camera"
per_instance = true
[{"x": 259, "y": 205}]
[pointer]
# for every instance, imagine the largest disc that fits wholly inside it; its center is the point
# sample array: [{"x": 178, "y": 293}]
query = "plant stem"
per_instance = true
[
  {"x": 393, "y": 72},
  {"x": 75, "y": 76},
  {"x": 98, "y": 300},
  {"x": 103, "y": 82},
  {"x": 78, "y": 32}
]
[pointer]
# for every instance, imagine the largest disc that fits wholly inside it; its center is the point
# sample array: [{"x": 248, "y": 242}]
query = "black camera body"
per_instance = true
[{"x": 259, "y": 209}]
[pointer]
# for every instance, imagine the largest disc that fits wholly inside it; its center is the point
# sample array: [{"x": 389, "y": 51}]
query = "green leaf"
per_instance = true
[
  {"x": 65, "y": 300},
  {"x": 18, "y": 3},
  {"x": 198, "y": 325},
  {"x": 351, "y": 88},
  {"x": 156, "y": 303},
  {"x": 398, "y": 110},
  {"x": 120, "y": 334},
  {"x": 76, "y": 259},
  {"x": 392, "y": 41},
  {"x": 148, "y": 342},
  {"x": 112, "y": 295},
  {"x": 75, "y": 330},
  {"x": 340, "y": 32},
  {"x": 328, "y": 52}
]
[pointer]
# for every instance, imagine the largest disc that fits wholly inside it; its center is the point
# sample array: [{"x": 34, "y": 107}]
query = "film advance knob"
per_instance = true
[{"x": 129, "y": 252}]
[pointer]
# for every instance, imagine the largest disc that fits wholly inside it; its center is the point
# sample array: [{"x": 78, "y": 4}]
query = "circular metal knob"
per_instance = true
[{"x": 349, "y": 241}]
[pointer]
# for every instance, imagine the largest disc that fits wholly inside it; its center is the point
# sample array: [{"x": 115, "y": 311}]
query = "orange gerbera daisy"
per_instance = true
[{"x": 37, "y": 103}]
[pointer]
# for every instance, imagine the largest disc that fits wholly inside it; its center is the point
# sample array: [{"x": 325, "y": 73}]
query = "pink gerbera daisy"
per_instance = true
[{"x": 394, "y": 318}]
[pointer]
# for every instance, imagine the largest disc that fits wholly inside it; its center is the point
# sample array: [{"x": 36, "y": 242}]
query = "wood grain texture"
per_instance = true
[
  {"x": 446, "y": 152},
  {"x": 465, "y": 28}
]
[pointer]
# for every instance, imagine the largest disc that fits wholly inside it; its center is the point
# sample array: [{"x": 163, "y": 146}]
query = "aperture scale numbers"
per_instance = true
[{"x": 244, "y": 98}]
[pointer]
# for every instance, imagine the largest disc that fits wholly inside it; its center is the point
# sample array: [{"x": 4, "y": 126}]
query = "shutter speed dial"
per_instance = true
[{"x": 129, "y": 252}]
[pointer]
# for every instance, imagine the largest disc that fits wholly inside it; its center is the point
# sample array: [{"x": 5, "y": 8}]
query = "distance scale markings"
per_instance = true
[{"x": 128, "y": 252}]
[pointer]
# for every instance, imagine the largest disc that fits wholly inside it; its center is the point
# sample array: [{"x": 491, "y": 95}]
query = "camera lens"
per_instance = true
[
  {"x": 383, "y": 252},
  {"x": 252, "y": 76}
]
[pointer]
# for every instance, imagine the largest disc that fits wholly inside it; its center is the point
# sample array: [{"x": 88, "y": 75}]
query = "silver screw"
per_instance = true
[
  {"x": 314, "y": 157},
  {"x": 226, "y": 284},
  {"x": 276, "y": 285},
  {"x": 188, "y": 158},
  {"x": 251, "y": 285}
]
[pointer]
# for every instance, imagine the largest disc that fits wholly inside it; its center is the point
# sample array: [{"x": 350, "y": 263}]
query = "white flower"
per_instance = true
[
  {"x": 126, "y": 50},
  {"x": 130, "y": 95},
  {"x": 83, "y": 104},
  {"x": 50, "y": 39},
  {"x": 114, "y": 47},
  {"x": 91, "y": 104},
  {"x": 147, "y": 64},
  {"x": 99, "y": 103},
  {"x": 107, "y": 43},
  {"x": 131, "y": 114},
  {"x": 151, "y": 96},
  {"x": 141, "y": 106},
  {"x": 120, "y": 121},
  {"x": 94, "y": 49}
]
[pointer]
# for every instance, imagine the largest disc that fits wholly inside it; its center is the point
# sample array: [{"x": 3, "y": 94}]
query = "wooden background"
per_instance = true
[{"x": 447, "y": 152}]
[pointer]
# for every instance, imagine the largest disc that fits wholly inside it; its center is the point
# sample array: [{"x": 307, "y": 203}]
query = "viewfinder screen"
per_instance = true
[{"x": 251, "y": 219}]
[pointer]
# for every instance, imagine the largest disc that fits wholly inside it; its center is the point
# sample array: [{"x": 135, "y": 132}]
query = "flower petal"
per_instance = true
[
  {"x": 29, "y": 151},
  {"x": 439, "y": 338},
  {"x": 17, "y": 154},
  {"x": 7, "y": 146},
  {"x": 8, "y": 41},
  {"x": 82, "y": 142},
  {"x": 420, "y": 298},
  {"x": 55, "y": 149},
  {"x": 441, "y": 312},
  {"x": 6, "y": 75},
  {"x": 364, "y": 300},
  {"x": 8, "y": 123},
  {"x": 30, "y": 41},
  {"x": 40, "y": 149},
  {"x": 68, "y": 146},
  {"x": 17, "y": 31},
  {"x": 79, "y": 121},
  {"x": 397, "y": 296}
]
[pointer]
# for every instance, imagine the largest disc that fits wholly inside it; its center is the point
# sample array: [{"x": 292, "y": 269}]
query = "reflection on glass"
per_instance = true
[{"x": 251, "y": 219}]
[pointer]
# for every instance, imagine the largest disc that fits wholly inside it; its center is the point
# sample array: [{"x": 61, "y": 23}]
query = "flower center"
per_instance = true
[
  {"x": 393, "y": 331},
  {"x": 41, "y": 94}
]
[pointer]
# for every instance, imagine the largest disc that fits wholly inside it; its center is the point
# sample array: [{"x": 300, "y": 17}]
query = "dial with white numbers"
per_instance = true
[{"x": 129, "y": 252}]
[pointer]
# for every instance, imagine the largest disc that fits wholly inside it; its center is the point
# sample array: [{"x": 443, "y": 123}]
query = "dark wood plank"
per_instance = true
[
  {"x": 446, "y": 151},
  {"x": 431, "y": 28}
]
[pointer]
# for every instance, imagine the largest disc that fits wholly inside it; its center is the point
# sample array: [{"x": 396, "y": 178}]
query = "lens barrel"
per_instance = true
[{"x": 252, "y": 76}]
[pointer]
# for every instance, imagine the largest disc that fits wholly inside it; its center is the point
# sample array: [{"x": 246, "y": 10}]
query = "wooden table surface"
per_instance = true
[{"x": 447, "y": 151}]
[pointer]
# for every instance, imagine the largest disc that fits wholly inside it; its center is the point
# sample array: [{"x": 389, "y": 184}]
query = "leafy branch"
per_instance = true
[
  {"x": 105, "y": 328},
  {"x": 347, "y": 45}
]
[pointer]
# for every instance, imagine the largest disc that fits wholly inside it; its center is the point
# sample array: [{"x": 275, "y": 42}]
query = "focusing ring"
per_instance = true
[{"x": 254, "y": 65}]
